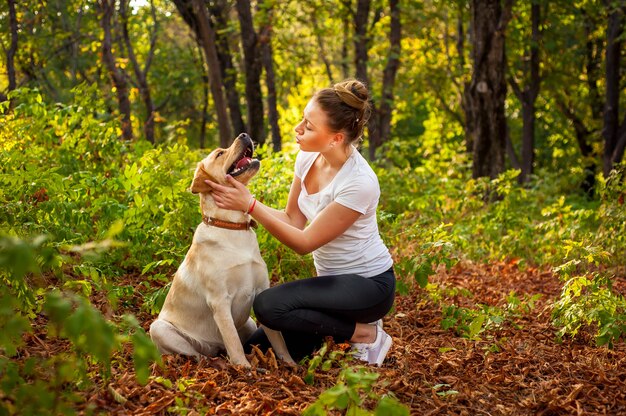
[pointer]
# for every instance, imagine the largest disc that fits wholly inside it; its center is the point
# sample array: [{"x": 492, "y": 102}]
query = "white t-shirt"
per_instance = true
[{"x": 359, "y": 250}]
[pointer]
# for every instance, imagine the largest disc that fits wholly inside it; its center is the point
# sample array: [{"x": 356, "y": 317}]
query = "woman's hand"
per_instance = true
[{"x": 236, "y": 198}]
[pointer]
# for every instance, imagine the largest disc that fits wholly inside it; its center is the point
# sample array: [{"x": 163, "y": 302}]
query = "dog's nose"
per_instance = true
[{"x": 244, "y": 136}]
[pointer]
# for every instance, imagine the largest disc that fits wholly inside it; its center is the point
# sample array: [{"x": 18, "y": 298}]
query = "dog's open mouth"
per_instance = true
[{"x": 242, "y": 163}]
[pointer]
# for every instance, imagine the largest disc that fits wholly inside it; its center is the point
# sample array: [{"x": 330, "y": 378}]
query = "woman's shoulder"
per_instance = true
[
  {"x": 362, "y": 170},
  {"x": 303, "y": 160},
  {"x": 359, "y": 177},
  {"x": 304, "y": 155}
]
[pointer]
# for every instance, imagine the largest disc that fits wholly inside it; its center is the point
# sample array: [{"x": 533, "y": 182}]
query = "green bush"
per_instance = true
[
  {"x": 48, "y": 384},
  {"x": 354, "y": 386}
]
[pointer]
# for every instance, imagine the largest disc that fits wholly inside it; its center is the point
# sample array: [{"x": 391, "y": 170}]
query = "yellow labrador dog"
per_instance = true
[{"x": 208, "y": 306}]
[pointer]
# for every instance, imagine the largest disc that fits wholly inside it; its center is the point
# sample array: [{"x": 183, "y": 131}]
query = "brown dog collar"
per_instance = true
[{"x": 214, "y": 222}]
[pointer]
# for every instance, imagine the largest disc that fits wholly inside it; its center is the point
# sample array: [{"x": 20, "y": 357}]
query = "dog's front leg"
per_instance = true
[
  {"x": 278, "y": 343},
  {"x": 226, "y": 326}
]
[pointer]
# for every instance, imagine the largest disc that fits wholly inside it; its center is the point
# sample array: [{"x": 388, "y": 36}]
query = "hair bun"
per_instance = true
[
  {"x": 347, "y": 105},
  {"x": 353, "y": 93}
]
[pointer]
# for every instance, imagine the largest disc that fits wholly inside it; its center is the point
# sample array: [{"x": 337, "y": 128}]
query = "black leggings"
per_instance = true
[{"x": 308, "y": 310}]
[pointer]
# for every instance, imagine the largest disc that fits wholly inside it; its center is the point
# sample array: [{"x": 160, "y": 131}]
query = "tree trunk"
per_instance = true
[
  {"x": 215, "y": 77},
  {"x": 510, "y": 150},
  {"x": 360, "y": 39},
  {"x": 361, "y": 18},
  {"x": 613, "y": 141},
  {"x": 593, "y": 62},
  {"x": 13, "y": 46},
  {"x": 487, "y": 89},
  {"x": 346, "y": 39},
  {"x": 468, "y": 121},
  {"x": 389, "y": 79},
  {"x": 268, "y": 63},
  {"x": 141, "y": 74},
  {"x": 528, "y": 97},
  {"x": 252, "y": 67},
  {"x": 118, "y": 78},
  {"x": 460, "y": 38},
  {"x": 219, "y": 10}
]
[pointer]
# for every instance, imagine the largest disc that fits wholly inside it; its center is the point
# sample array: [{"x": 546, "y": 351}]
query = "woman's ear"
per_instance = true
[
  {"x": 198, "y": 185},
  {"x": 338, "y": 139}
]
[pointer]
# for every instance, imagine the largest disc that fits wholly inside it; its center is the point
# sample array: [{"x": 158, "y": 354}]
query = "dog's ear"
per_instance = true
[{"x": 198, "y": 185}]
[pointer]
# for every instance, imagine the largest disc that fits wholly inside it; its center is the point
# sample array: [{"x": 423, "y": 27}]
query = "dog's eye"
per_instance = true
[{"x": 220, "y": 153}]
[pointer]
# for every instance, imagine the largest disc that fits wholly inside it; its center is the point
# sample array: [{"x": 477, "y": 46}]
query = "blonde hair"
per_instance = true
[{"x": 347, "y": 106}]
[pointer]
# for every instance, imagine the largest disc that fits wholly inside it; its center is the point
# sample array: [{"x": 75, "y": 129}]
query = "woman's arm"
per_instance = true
[
  {"x": 292, "y": 214},
  {"x": 333, "y": 221}
]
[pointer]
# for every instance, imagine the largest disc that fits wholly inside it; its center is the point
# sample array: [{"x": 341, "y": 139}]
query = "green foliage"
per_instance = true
[
  {"x": 442, "y": 392},
  {"x": 13, "y": 325},
  {"x": 75, "y": 319},
  {"x": 612, "y": 214},
  {"x": 587, "y": 299},
  {"x": 323, "y": 360},
  {"x": 470, "y": 323},
  {"x": 434, "y": 250},
  {"x": 154, "y": 300},
  {"x": 354, "y": 386},
  {"x": 48, "y": 384}
]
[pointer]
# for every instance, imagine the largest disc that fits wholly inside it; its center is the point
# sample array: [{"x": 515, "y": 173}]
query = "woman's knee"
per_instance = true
[{"x": 266, "y": 308}]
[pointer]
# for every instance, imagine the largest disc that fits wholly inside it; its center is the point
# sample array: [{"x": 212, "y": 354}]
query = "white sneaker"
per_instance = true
[
  {"x": 359, "y": 349},
  {"x": 375, "y": 352}
]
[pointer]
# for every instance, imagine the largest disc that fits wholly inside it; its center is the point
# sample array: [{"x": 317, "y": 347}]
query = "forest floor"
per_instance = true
[{"x": 518, "y": 368}]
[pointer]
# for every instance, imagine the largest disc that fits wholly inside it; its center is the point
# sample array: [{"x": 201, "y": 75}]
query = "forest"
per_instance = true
[{"x": 497, "y": 133}]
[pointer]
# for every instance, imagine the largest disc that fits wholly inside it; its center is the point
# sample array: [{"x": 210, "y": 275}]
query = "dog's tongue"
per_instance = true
[{"x": 243, "y": 162}]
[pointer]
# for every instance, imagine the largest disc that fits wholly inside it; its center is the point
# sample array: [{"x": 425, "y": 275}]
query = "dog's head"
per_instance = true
[{"x": 235, "y": 161}]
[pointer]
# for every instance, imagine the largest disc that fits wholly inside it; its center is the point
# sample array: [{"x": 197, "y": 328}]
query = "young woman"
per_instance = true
[{"x": 336, "y": 193}]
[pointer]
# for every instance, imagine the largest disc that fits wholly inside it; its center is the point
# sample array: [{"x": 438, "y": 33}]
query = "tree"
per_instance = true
[
  {"x": 195, "y": 13},
  {"x": 361, "y": 39},
  {"x": 253, "y": 68},
  {"x": 389, "y": 78},
  {"x": 10, "y": 54},
  {"x": 614, "y": 132},
  {"x": 528, "y": 93},
  {"x": 379, "y": 126},
  {"x": 219, "y": 10},
  {"x": 141, "y": 74},
  {"x": 573, "y": 81},
  {"x": 486, "y": 92},
  {"x": 265, "y": 39},
  {"x": 116, "y": 74}
]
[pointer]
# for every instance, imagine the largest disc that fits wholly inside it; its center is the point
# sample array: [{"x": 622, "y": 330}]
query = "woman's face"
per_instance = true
[{"x": 313, "y": 133}]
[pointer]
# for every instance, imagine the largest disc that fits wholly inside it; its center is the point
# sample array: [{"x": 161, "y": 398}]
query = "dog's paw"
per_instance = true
[
  {"x": 241, "y": 363},
  {"x": 288, "y": 361}
]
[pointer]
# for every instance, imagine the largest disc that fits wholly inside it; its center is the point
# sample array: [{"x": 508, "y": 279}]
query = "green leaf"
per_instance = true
[
  {"x": 422, "y": 272},
  {"x": 12, "y": 324},
  {"x": 475, "y": 326},
  {"x": 389, "y": 406},
  {"x": 144, "y": 354}
]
